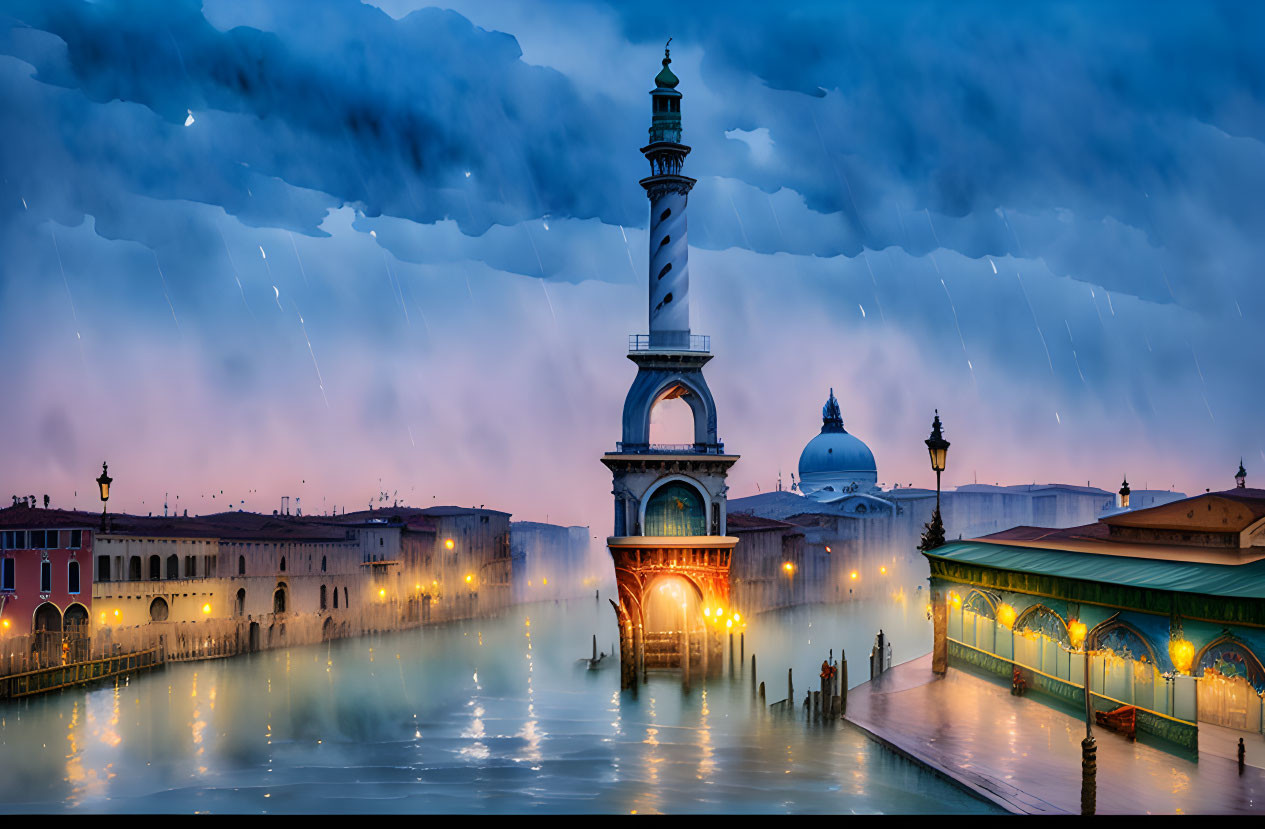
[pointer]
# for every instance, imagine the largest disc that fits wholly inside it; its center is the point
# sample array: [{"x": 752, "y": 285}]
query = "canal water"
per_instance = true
[{"x": 485, "y": 716}]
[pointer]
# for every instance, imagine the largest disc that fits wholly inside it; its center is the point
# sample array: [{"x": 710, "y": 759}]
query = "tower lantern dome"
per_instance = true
[{"x": 665, "y": 122}]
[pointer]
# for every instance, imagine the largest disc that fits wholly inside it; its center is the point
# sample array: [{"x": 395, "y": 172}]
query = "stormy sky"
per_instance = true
[{"x": 333, "y": 249}]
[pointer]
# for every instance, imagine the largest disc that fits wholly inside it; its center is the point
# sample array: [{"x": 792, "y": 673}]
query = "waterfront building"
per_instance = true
[
  {"x": 1169, "y": 603},
  {"x": 670, "y": 547},
  {"x": 46, "y": 575},
  {"x": 772, "y": 567},
  {"x": 448, "y": 561},
  {"x": 550, "y": 562}
]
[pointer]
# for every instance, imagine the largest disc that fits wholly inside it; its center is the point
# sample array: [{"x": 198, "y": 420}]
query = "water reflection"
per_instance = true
[{"x": 487, "y": 717}]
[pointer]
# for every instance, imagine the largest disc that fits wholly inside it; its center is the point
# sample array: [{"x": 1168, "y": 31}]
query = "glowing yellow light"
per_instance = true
[
  {"x": 1183, "y": 654},
  {"x": 206, "y": 608},
  {"x": 1076, "y": 631},
  {"x": 449, "y": 544},
  {"x": 382, "y": 592},
  {"x": 1005, "y": 615},
  {"x": 854, "y": 575},
  {"x": 6, "y": 623},
  {"x": 827, "y": 548},
  {"x": 737, "y": 617},
  {"x": 544, "y": 580},
  {"x": 469, "y": 578},
  {"x": 729, "y": 623},
  {"x": 883, "y": 570},
  {"x": 956, "y": 599},
  {"x": 116, "y": 614},
  {"x": 720, "y": 611},
  {"x": 788, "y": 567},
  {"x": 707, "y": 611}
]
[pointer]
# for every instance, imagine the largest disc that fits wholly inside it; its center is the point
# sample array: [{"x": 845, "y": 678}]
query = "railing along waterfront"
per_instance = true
[{"x": 57, "y": 677}]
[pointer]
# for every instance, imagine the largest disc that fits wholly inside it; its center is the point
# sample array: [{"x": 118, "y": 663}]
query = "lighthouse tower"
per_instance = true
[{"x": 669, "y": 545}]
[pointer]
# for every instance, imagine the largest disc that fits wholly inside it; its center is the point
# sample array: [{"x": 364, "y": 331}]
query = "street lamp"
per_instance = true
[
  {"x": 938, "y": 449},
  {"x": 1089, "y": 748},
  {"x": 104, "y": 484}
]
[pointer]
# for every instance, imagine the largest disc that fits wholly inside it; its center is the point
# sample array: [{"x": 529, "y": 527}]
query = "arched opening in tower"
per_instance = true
[
  {"x": 672, "y": 420},
  {"x": 674, "y": 624}
]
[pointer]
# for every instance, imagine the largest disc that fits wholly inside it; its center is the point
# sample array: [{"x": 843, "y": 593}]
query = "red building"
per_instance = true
[{"x": 45, "y": 569}]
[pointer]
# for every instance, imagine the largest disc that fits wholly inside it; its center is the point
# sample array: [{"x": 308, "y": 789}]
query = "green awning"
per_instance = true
[{"x": 1237, "y": 580}]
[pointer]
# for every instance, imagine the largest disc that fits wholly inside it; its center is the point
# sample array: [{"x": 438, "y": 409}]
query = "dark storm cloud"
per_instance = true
[
  {"x": 388, "y": 115},
  {"x": 1043, "y": 218}
]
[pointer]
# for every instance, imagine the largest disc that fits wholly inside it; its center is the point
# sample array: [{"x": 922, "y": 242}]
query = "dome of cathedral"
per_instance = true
[
  {"x": 836, "y": 452},
  {"x": 834, "y": 461}
]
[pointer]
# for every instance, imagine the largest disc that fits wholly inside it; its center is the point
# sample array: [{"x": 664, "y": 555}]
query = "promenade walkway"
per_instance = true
[{"x": 1025, "y": 755}]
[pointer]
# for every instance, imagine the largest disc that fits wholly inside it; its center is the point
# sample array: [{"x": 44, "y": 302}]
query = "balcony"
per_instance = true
[
  {"x": 717, "y": 448},
  {"x": 670, "y": 341}
]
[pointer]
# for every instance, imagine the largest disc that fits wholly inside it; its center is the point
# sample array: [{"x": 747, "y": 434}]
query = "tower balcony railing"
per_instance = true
[
  {"x": 717, "y": 448},
  {"x": 670, "y": 341}
]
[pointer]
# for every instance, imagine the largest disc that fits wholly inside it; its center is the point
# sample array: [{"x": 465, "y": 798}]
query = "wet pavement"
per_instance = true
[{"x": 1025, "y": 755}]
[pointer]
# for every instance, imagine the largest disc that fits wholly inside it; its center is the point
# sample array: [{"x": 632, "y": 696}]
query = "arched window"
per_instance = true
[
  {"x": 279, "y": 600},
  {"x": 173, "y": 567},
  {"x": 134, "y": 568},
  {"x": 324, "y": 597},
  {"x": 322, "y": 564},
  {"x": 239, "y": 606},
  {"x": 336, "y": 598},
  {"x": 241, "y": 565},
  {"x": 72, "y": 577},
  {"x": 1231, "y": 659},
  {"x": 346, "y": 603},
  {"x": 675, "y": 509},
  {"x": 47, "y": 617},
  {"x": 283, "y": 564},
  {"x": 158, "y": 610},
  {"x": 155, "y": 568},
  {"x": 1040, "y": 619}
]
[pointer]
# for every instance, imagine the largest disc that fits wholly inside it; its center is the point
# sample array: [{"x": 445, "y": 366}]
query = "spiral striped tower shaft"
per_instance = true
[{"x": 668, "y": 192}]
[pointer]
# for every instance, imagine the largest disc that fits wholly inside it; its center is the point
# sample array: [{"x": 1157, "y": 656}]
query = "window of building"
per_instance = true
[
  {"x": 324, "y": 596},
  {"x": 173, "y": 566},
  {"x": 103, "y": 568},
  {"x": 322, "y": 564},
  {"x": 191, "y": 567},
  {"x": 241, "y": 565},
  {"x": 346, "y": 603},
  {"x": 283, "y": 564},
  {"x": 46, "y": 576},
  {"x": 155, "y": 568},
  {"x": 6, "y": 575},
  {"x": 76, "y": 539},
  {"x": 335, "y": 597},
  {"x": 72, "y": 578}
]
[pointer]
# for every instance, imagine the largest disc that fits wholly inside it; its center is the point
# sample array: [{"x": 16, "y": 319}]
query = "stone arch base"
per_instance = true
[{"x": 697, "y": 565}]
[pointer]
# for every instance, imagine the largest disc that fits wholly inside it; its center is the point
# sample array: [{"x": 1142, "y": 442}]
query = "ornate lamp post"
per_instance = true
[
  {"x": 104, "y": 484},
  {"x": 938, "y": 449}
]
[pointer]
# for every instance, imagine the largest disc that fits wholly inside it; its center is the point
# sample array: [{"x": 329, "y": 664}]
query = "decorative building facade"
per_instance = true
[
  {"x": 670, "y": 548},
  {"x": 1168, "y": 601}
]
